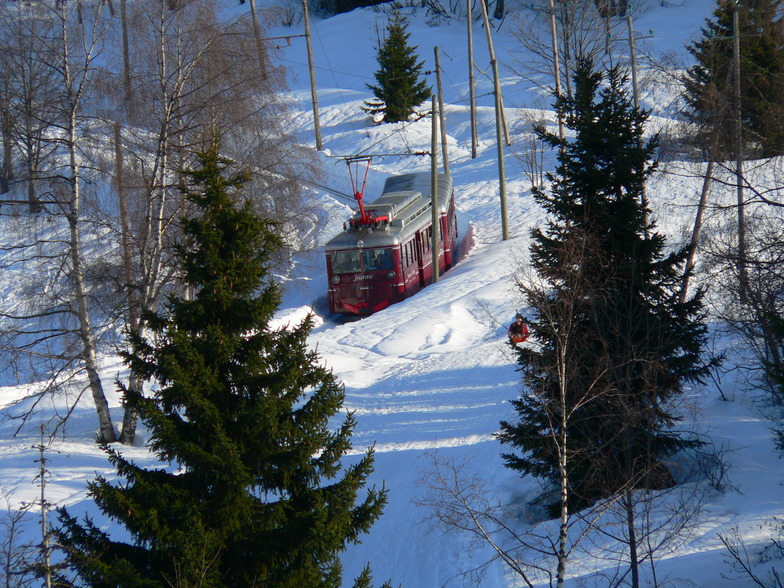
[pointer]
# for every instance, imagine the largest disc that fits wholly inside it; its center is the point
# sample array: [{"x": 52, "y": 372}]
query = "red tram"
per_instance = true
[{"x": 384, "y": 253}]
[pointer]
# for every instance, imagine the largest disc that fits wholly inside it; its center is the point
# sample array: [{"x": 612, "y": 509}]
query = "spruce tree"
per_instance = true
[
  {"x": 255, "y": 493},
  {"x": 399, "y": 90},
  {"x": 631, "y": 344},
  {"x": 710, "y": 82}
]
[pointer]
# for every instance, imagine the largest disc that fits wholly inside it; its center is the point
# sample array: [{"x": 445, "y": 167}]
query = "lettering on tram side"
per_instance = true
[{"x": 357, "y": 278}]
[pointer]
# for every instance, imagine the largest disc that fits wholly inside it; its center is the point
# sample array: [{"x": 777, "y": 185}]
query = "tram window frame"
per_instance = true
[
  {"x": 408, "y": 253},
  {"x": 347, "y": 262},
  {"x": 380, "y": 259}
]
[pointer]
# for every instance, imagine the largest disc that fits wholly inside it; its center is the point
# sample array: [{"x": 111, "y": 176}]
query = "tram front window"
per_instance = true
[
  {"x": 350, "y": 262},
  {"x": 378, "y": 259},
  {"x": 347, "y": 262}
]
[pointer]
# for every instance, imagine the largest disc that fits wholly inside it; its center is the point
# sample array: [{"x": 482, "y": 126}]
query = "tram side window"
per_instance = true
[
  {"x": 346, "y": 262},
  {"x": 378, "y": 259},
  {"x": 405, "y": 252},
  {"x": 428, "y": 238}
]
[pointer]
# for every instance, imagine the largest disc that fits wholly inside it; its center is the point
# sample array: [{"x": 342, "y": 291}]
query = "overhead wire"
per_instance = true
[
  {"x": 406, "y": 124},
  {"x": 400, "y": 130},
  {"x": 333, "y": 71},
  {"x": 463, "y": 98}
]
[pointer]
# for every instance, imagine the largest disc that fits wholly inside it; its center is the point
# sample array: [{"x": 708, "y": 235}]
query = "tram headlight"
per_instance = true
[
  {"x": 335, "y": 279},
  {"x": 390, "y": 275}
]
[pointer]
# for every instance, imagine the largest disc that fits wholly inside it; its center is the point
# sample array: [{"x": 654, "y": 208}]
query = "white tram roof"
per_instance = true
[{"x": 405, "y": 201}]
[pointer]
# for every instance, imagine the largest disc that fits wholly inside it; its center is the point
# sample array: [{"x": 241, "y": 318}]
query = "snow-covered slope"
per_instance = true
[{"x": 431, "y": 377}]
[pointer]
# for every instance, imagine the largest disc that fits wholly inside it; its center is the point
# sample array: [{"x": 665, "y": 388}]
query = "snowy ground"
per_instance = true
[{"x": 432, "y": 376}]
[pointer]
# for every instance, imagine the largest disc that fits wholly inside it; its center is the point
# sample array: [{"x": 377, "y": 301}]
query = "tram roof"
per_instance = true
[{"x": 405, "y": 200}]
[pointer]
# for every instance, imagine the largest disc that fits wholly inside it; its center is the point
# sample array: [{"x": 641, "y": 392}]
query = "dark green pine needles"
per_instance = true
[
  {"x": 398, "y": 89},
  {"x": 615, "y": 346},
  {"x": 256, "y": 494},
  {"x": 710, "y": 83}
]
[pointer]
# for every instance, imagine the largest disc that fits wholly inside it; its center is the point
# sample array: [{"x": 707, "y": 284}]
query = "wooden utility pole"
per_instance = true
[
  {"x": 435, "y": 217},
  {"x": 257, "y": 37},
  {"x": 500, "y": 121},
  {"x": 496, "y": 77},
  {"x": 739, "y": 155},
  {"x": 636, "y": 97},
  {"x": 311, "y": 66},
  {"x": 472, "y": 95},
  {"x": 556, "y": 66},
  {"x": 501, "y": 168},
  {"x": 441, "y": 113},
  {"x": 312, "y": 71},
  {"x": 633, "y": 61}
]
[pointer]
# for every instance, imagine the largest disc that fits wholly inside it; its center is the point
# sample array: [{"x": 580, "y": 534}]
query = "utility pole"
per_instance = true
[
  {"x": 257, "y": 36},
  {"x": 472, "y": 96},
  {"x": 311, "y": 67},
  {"x": 441, "y": 113},
  {"x": 633, "y": 61},
  {"x": 312, "y": 71},
  {"x": 739, "y": 155},
  {"x": 496, "y": 77},
  {"x": 501, "y": 168},
  {"x": 435, "y": 216},
  {"x": 499, "y": 117},
  {"x": 636, "y": 97},
  {"x": 556, "y": 66}
]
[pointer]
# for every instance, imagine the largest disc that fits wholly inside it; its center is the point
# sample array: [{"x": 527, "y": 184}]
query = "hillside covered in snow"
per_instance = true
[{"x": 430, "y": 378}]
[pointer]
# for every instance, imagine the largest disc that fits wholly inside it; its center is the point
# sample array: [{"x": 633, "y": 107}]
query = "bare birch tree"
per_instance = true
[
  {"x": 16, "y": 556},
  {"x": 191, "y": 75},
  {"x": 67, "y": 41},
  {"x": 6, "y": 132},
  {"x": 461, "y": 502},
  {"x": 137, "y": 120},
  {"x": 581, "y": 31},
  {"x": 80, "y": 44},
  {"x": 30, "y": 99}
]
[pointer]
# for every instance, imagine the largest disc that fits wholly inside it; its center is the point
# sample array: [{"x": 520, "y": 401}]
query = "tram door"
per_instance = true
[{"x": 420, "y": 260}]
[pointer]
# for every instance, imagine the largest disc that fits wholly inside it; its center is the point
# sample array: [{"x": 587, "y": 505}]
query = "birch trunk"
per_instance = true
[
  {"x": 126, "y": 56},
  {"x": 7, "y": 170},
  {"x": 130, "y": 417},
  {"x": 628, "y": 504},
  {"x": 144, "y": 287},
  {"x": 563, "y": 472},
  {"x": 86, "y": 332}
]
